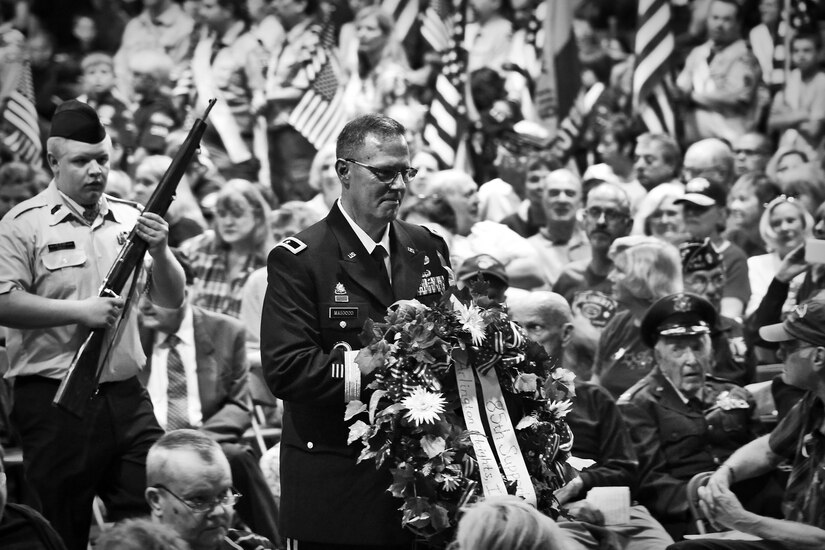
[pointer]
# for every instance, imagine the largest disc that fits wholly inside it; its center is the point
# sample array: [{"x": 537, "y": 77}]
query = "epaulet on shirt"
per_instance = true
[
  {"x": 24, "y": 207},
  {"x": 296, "y": 246},
  {"x": 433, "y": 231},
  {"x": 133, "y": 204},
  {"x": 630, "y": 392}
]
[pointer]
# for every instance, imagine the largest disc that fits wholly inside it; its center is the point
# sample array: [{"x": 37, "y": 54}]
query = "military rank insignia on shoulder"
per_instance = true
[
  {"x": 118, "y": 200},
  {"x": 433, "y": 231},
  {"x": 292, "y": 244}
]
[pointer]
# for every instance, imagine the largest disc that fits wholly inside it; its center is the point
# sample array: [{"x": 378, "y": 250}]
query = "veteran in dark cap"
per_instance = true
[
  {"x": 487, "y": 268},
  {"x": 704, "y": 274},
  {"x": 683, "y": 421},
  {"x": 55, "y": 249}
]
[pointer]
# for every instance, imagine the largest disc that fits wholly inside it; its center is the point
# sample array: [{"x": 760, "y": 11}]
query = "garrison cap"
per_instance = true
[
  {"x": 77, "y": 121},
  {"x": 699, "y": 256},
  {"x": 680, "y": 314}
]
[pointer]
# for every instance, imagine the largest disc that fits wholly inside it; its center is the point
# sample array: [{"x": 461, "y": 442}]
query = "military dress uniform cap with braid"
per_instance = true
[{"x": 680, "y": 314}]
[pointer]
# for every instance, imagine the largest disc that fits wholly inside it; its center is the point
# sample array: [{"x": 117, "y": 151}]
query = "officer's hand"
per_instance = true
[
  {"x": 97, "y": 312},
  {"x": 792, "y": 264},
  {"x": 154, "y": 230}
]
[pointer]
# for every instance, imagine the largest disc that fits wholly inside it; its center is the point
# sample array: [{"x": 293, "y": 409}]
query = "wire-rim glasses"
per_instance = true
[
  {"x": 387, "y": 176},
  {"x": 202, "y": 505}
]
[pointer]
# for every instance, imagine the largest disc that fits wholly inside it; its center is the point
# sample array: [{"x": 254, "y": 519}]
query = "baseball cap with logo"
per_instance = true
[
  {"x": 702, "y": 192},
  {"x": 482, "y": 264},
  {"x": 806, "y": 322},
  {"x": 699, "y": 256}
]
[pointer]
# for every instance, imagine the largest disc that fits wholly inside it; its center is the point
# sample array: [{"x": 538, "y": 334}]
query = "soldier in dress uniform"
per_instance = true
[
  {"x": 324, "y": 283},
  {"x": 682, "y": 420}
]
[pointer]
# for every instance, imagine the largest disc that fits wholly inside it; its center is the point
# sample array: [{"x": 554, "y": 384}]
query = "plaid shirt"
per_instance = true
[{"x": 212, "y": 290}]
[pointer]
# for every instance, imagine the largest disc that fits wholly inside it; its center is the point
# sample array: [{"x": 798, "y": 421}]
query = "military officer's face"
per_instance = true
[
  {"x": 684, "y": 360},
  {"x": 81, "y": 169},
  {"x": 371, "y": 202}
]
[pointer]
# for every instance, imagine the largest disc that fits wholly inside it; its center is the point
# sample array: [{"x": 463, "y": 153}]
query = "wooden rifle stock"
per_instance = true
[{"x": 83, "y": 376}]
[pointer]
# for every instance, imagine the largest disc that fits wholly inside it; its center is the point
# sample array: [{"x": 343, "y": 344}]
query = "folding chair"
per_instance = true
[
  {"x": 699, "y": 519},
  {"x": 264, "y": 430}
]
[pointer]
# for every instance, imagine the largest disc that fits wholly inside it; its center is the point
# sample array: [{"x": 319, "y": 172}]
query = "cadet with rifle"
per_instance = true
[{"x": 55, "y": 250}]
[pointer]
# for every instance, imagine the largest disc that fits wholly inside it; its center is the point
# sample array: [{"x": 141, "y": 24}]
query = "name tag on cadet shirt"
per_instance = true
[{"x": 68, "y": 245}]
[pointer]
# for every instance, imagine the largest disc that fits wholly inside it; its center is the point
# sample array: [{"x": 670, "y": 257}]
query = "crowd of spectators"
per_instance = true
[{"x": 580, "y": 247}]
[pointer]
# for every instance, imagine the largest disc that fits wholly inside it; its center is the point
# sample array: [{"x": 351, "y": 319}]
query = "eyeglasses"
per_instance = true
[
  {"x": 610, "y": 215},
  {"x": 203, "y": 505},
  {"x": 699, "y": 282},
  {"x": 387, "y": 176}
]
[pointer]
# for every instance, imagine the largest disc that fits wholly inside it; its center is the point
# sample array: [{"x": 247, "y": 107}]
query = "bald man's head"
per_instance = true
[
  {"x": 711, "y": 159},
  {"x": 547, "y": 319}
]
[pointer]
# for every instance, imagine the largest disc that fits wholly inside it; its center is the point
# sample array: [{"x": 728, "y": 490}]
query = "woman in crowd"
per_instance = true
[
  {"x": 615, "y": 144},
  {"x": 504, "y": 523},
  {"x": 379, "y": 80},
  {"x": 746, "y": 202},
  {"x": 322, "y": 177},
  {"x": 224, "y": 258},
  {"x": 184, "y": 215},
  {"x": 806, "y": 183},
  {"x": 663, "y": 218},
  {"x": 643, "y": 272},
  {"x": 784, "y": 225}
]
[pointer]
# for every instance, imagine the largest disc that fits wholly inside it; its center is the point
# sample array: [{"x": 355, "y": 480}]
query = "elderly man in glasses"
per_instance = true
[
  {"x": 704, "y": 274},
  {"x": 324, "y": 284},
  {"x": 189, "y": 488}
]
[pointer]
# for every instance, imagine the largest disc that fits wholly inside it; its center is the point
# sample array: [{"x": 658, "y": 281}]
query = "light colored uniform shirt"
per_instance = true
[
  {"x": 159, "y": 380},
  {"x": 286, "y": 71},
  {"x": 236, "y": 72},
  {"x": 170, "y": 33},
  {"x": 47, "y": 249}
]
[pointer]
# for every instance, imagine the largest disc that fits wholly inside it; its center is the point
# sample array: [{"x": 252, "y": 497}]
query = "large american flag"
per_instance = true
[
  {"x": 653, "y": 49},
  {"x": 21, "y": 132},
  {"x": 446, "y": 120},
  {"x": 319, "y": 115}
]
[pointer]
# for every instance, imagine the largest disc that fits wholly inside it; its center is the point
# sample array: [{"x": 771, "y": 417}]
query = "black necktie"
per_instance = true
[
  {"x": 90, "y": 213},
  {"x": 379, "y": 254},
  {"x": 177, "y": 413}
]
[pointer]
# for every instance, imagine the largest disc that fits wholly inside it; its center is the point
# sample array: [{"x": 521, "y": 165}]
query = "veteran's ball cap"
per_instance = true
[
  {"x": 702, "y": 192},
  {"x": 680, "y": 314},
  {"x": 699, "y": 256},
  {"x": 484, "y": 264},
  {"x": 77, "y": 121},
  {"x": 806, "y": 322}
]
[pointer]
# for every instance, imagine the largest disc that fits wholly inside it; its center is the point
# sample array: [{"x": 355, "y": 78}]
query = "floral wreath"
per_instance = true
[{"x": 422, "y": 364}]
